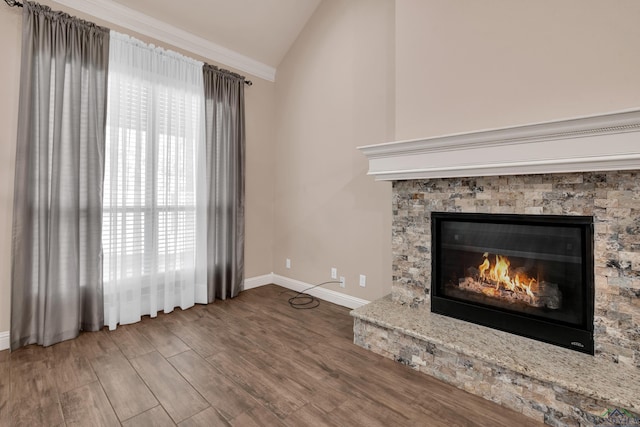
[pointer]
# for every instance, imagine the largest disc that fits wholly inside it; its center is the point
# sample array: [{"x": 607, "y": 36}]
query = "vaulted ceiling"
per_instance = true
[
  {"x": 246, "y": 34},
  {"x": 260, "y": 29}
]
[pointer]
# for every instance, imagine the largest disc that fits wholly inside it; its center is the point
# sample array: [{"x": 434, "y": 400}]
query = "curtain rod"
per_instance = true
[{"x": 13, "y": 3}]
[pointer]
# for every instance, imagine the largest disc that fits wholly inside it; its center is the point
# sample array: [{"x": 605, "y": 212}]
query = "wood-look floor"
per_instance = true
[{"x": 250, "y": 361}]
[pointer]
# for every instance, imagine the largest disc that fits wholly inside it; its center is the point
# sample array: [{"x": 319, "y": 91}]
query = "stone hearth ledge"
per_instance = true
[{"x": 586, "y": 375}]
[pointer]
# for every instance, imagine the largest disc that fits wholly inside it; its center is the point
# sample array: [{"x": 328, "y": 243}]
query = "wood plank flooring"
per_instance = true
[{"x": 250, "y": 361}]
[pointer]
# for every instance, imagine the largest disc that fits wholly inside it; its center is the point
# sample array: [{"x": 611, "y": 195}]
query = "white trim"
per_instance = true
[
  {"x": 268, "y": 279},
  {"x": 595, "y": 143},
  {"x": 322, "y": 293},
  {"x": 298, "y": 286},
  {"x": 130, "y": 19},
  {"x": 4, "y": 340},
  {"x": 256, "y": 282}
]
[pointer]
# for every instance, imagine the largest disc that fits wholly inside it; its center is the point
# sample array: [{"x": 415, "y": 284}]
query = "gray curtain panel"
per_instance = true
[
  {"x": 225, "y": 145},
  {"x": 57, "y": 216}
]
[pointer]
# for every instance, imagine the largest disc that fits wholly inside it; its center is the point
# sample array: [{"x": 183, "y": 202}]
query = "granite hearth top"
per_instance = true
[{"x": 581, "y": 373}]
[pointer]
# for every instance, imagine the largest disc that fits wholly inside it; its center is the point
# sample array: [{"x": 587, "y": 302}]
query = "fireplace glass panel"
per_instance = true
[
  {"x": 532, "y": 270},
  {"x": 529, "y": 269}
]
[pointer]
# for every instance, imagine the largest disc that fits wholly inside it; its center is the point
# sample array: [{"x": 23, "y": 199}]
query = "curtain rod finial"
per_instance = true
[{"x": 13, "y": 3}]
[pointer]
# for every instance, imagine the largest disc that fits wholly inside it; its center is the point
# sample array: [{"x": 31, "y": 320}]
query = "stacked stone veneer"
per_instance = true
[
  {"x": 552, "y": 384},
  {"x": 612, "y": 198}
]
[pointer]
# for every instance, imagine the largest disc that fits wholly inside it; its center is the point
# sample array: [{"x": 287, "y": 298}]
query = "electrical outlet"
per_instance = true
[
  {"x": 287, "y": 263},
  {"x": 363, "y": 280},
  {"x": 334, "y": 273},
  {"x": 343, "y": 282}
]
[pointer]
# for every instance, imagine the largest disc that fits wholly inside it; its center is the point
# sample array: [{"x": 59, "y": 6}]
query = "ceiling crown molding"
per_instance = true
[
  {"x": 594, "y": 143},
  {"x": 130, "y": 19}
]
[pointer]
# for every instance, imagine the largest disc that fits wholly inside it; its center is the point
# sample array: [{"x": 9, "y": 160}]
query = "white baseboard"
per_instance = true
[
  {"x": 268, "y": 279},
  {"x": 298, "y": 286},
  {"x": 256, "y": 282},
  {"x": 4, "y": 340},
  {"x": 322, "y": 293}
]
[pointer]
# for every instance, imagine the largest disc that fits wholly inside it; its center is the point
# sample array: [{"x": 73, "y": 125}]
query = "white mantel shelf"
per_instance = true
[{"x": 596, "y": 143}]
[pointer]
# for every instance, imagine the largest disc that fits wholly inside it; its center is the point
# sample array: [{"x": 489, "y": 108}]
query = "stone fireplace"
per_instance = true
[{"x": 583, "y": 172}]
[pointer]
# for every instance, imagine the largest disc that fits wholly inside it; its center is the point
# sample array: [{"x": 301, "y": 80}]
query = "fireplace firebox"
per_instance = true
[{"x": 530, "y": 275}]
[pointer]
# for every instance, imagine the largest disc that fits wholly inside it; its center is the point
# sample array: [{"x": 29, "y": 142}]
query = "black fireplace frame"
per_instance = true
[{"x": 579, "y": 338}]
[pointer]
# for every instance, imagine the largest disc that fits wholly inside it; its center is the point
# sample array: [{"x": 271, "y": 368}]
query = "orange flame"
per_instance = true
[{"x": 499, "y": 274}]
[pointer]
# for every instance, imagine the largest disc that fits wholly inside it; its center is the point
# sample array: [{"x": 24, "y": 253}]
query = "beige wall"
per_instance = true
[
  {"x": 334, "y": 92},
  {"x": 260, "y": 176},
  {"x": 464, "y": 65},
  {"x": 260, "y": 127}
]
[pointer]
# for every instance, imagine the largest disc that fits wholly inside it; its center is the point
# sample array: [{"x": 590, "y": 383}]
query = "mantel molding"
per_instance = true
[{"x": 596, "y": 143}]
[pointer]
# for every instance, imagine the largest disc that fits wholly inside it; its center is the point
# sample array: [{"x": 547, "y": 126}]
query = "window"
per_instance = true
[
  {"x": 153, "y": 203},
  {"x": 150, "y": 193}
]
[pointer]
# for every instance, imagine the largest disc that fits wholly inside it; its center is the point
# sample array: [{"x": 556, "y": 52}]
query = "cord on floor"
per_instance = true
[{"x": 302, "y": 300}]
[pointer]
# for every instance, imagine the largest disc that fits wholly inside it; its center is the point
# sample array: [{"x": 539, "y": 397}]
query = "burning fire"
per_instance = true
[{"x": 498, "y": 273}]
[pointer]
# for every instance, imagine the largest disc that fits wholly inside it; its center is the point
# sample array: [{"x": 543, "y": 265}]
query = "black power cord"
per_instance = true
[{"x": 303, "y": 301}]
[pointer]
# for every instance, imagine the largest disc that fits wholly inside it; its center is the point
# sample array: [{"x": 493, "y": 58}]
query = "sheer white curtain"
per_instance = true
[{"x": 154, "y": 227}]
